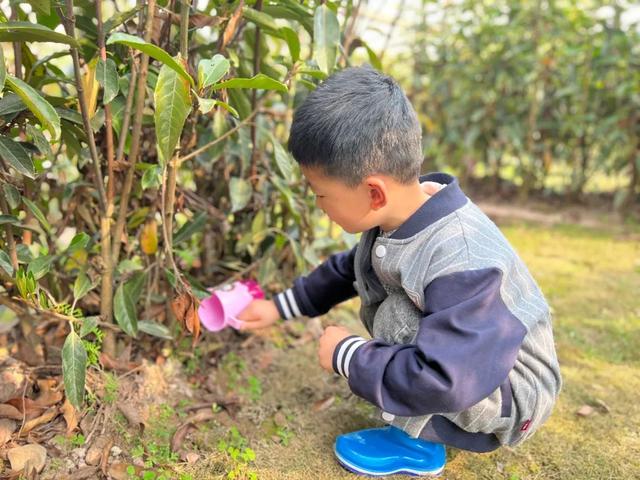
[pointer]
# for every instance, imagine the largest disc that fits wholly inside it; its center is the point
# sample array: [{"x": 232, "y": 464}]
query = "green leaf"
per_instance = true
[
  {"x": 9, "y": 220},
  {"x": 37, "y": 104},
  {"x": 40, "y": 266},
  {"x": 81, "y": 286},
  {"x": 205, "y": 105},
  {"x": 151, "y": 50},
  {"x": 88, "y": 324},
  {"x": 15, "y": 154},
  {"x": 74, "y": 368},
  {"x": 283, "y": 160},
  {"x": 291, "y": 10},
  {"x": 155, "y": 329},
  {"x": 32, "y": 32},
  {"x": 107, "y": 76},
  {"x": 11, "y": 103},
  {"x": 240, "y": 191},
  {"x": 152, "y": 177},
  {"x": 240, "y": 101},
  {"x": 135, "y": 285},
  {"x": 326, "y": 37},
  {"x": 260, "y": 81},
  {"x": 38, "y": 214},
  {"x": 319, "y": 74},
  {"x": 210, "y": 71},
  {"x": 40, "y": 141},
  {"x": 119, "y": 18},
  {"x": 188, "y": 229},
  {"x": 5, "y": 263},
  {"x": 172, "y": 99},
  {"x": 80, "y": 240},
  {"x": 293, "y": 42},
  {"x": 125, "y": 311},
  {"x": 3, "y": 70},
  {"x": 12, "y": 195},
  {"x": 42, "y": 6},
  {"x": 259, "y": 18}
]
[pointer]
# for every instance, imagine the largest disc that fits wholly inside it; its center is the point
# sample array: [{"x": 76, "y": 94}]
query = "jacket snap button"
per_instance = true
[
  {"x": 388, "y": 417},
  {"x": 381, "y": 251}
]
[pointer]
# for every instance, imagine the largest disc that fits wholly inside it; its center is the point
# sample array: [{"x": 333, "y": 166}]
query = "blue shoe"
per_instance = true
[{"x": 388, "y": 450}]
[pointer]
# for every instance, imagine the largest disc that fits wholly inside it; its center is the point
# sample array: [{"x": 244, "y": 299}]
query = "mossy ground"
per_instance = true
[{"x": 592, "y": 281}]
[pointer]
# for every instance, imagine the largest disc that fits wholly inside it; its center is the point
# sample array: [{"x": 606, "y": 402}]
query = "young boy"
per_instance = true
[{"x": 462, "y": 351}]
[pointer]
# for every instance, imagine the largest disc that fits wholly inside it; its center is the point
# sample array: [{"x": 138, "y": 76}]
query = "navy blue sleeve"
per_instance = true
[
  {"x": 326, "y": 286},
  {"x": 466, "y": 344}
]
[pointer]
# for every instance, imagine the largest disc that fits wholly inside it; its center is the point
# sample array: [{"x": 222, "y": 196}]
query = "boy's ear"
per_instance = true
[{"x": 377, "y": 192}]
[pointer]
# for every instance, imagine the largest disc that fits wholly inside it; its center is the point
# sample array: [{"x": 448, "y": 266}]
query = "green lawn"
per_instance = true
[{"x": 591, "y": 279}]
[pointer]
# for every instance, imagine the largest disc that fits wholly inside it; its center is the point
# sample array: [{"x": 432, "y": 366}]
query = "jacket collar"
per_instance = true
[{"x": 446, "y": 201}]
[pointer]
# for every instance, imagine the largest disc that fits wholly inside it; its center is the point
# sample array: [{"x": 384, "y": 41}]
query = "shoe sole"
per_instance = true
[{"x": 403, "y": 471}]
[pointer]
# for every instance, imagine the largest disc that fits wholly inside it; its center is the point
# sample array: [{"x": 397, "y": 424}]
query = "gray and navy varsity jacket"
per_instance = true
[{"x": 462, "y": 350}]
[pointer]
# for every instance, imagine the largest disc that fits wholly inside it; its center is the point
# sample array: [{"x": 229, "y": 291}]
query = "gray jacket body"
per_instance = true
[{"x": 462, "y": 350}]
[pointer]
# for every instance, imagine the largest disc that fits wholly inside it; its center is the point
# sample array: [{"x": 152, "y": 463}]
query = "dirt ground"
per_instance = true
[{"x": 260, "y": 407}]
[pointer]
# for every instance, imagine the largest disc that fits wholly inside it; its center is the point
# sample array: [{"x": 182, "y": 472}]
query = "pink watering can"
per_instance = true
[{"x": 225, "y": 303}]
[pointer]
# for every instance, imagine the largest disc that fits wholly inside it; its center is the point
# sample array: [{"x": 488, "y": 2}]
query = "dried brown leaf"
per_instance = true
[
  {"x": 49, "y": 393},
  {"x": 9, "y": 411},
  {"x": 84, "y": 473},
  {"x": 7, "y": 427},
  {"x": 179, "y": 436},
  {"x": 117, "y": 364},
  {"x": 200, "y": 416},
  {"x": 179, "y": 307},
  {"x": 232, "y": 25},
  {"x": 28, "y": 406},
  {"x": 70, "y": 416},
  {"x": 322, "y": 405},
  {"x": 133, "y": 415},
  {"x": 46, "y": 417}
]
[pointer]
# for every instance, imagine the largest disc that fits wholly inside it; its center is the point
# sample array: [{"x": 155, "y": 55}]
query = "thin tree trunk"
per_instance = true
[{"x": 106, "y": 286}]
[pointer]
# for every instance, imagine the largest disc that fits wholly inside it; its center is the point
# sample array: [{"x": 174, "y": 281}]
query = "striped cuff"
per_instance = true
[
  {"x": 287, "y": 304},
  {"x": 344, "y": 352}
]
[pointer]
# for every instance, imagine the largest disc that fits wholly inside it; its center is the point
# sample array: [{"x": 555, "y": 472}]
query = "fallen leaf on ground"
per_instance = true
[
  {"x": 9, "y": 411},
  {"x": 181, "y": 432},
  {"x": 118, "y": 471},
  {"x": 603, "y": 406},
  {"x": 585, "y": 411},
  {"x": 49, "y": 393},
  {"x": 322, "y": 405},
  {"x": 32, "y": 454},
  {"x": 46, "y": 417},
  {"x": 105, "y": 456},
  {"x": 13, "y": 378},
  {"x": 117, "y": 364},
  {"x": 192, "y": 457},
  {"x": 7, "y": 427},
  {"x": 133, "y": 416},
  {"x": 30, "y": 408},
  {"x": 70, "y": 415},
  {"x": 84, "y": 473},
  {"x": 94, "y": 452}
]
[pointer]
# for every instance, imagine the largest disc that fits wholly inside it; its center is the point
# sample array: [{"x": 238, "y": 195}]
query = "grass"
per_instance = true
[{"x": 592, "y": 281}]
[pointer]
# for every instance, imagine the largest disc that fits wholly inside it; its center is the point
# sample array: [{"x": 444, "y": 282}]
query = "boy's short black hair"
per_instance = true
[{"x": 358, "y": 122}]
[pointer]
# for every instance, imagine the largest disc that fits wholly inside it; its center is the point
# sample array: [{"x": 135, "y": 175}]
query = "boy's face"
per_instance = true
[{"x": 349, "y": 207}]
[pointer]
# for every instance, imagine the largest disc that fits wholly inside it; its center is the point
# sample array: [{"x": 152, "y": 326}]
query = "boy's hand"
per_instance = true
[
  {"x": 259, "y": 314},
  {"x": 330, "y": 338}
]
